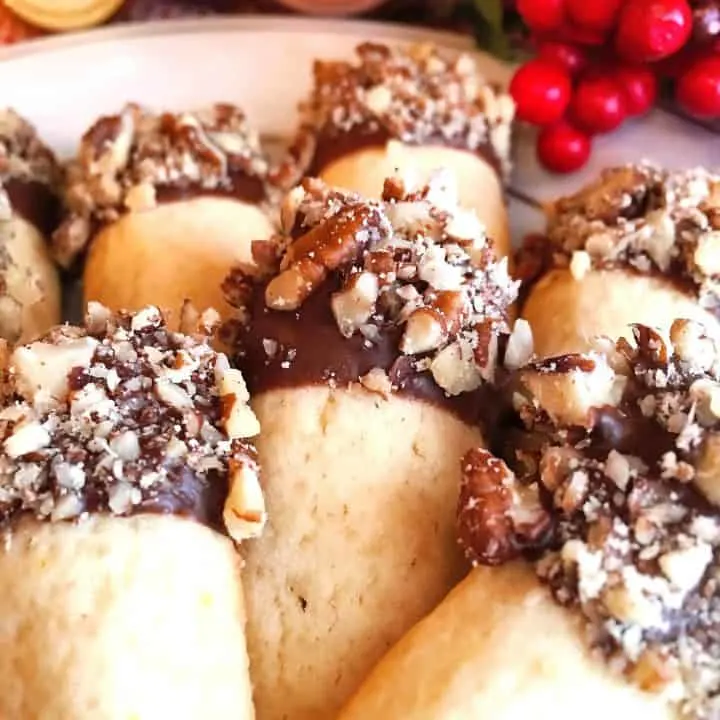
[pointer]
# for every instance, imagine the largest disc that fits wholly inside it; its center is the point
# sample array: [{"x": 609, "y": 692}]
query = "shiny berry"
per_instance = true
[
  {"x": 580, "y": 35},
  {"x": 639, "y": 86},
  {"x": 675, "y": 65},
  {"x": 698, "y": 89},
  {"x": 593, "y": 14},
  {"x": 541, "y": 90},
  {"x": 649, "y": 30},
  {"x": 571, "y": 57},
  {"x": 562, "y": 148},
  {"x": 598, "y": 105},
  {"x": 542, "y": 15}
]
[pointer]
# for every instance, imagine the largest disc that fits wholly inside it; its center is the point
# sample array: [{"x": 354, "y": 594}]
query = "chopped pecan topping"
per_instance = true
[
  {"x": 497, "y": 516},
  {"x": 637, "y": 216},
  {"x": 415, "y": 95},
  {"x": 23, "y": 155},
  {"x": 122, "y": 416},
  {"x": 629, "y": 478},
  {"x": 410, "y": 267},
  {"x": 126, "y": 160}
]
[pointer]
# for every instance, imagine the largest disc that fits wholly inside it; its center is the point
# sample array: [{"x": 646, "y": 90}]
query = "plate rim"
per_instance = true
[{"x": 279, "y": 23}]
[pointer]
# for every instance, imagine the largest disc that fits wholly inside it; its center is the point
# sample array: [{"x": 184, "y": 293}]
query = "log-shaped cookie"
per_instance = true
[
  {"x": 639, "y": 244},
  {"x": 29, "y": 212},
  {"x": 123, "y": 466},
  {"x": 163, "y": 203},
  {"x": 410, "y": 111},
  {"x": 608, "y": 540},
  {"x": 369, "y": 350}
]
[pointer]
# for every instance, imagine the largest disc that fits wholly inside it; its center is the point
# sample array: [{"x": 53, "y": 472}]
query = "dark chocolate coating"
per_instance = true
[
  {"x": 333, "y": 145},
  {"x": 35, "y": 202},
  {"x": 311, "y": 351}
]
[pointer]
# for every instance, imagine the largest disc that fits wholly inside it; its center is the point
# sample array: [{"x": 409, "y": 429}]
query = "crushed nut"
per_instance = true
[
  {"x": 409, "y": 96},
  {"x": 638, "y": 217},
  {"x": 625, "y": 470},
  {"x": 41, "y": 369},
  {"x": 25, "y": 439},
  {"x": 121, "y": 416},
  {"x": 520, "y": 345},
  {"x": 496, "y": 516},
  {"x": 244, "y": 512},
  {"x": 126, "y": 160},
  {"x": 355, "y": 304},
  {"x": 406, "y": 296},
  {"x": 568, "y": 397},
  {"x": 377, "y": 381},
  {"x": 238, "y": 418}
]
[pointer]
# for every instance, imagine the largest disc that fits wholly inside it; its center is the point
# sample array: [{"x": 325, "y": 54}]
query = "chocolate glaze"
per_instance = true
[
  {"x": 334, "y": 144},
  {"x": 185, "y": 495},
  {"x": 311, "y": 351},
  {"x": 190, "y": 495},
  {"x": 630, "y": 433},
  {"x": 34, "y": 202},
  {"x": 243, "y": 187}
]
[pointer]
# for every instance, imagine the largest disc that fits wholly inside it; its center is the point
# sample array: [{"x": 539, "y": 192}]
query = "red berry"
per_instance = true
[
  {"x": 598, "y": 105},
  {"x": 593, "y": 14},
  {"x": 541, "y": 90},
  {"x": 698, "y": 89},
  {"x": 649, "y": 30},
  {"x": 562, "y": 148},
  {"x": 571, "y": 57},
  {"x": 580, "y": 35},
  {"x": 639, "y": 86},
  {"x": 542, "y": 15},
  {"x": 675, "y": 65}
]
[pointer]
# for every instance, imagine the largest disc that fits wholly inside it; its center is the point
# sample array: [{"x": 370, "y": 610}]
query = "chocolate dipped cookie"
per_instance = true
[
  {"x": 369, "y": 348},
  {"x": 125, "y": 477},
  {"x": 638, "y": 245},
  {"x": 161, "y": 204},
  {"x": 597, "y": 555},
  {"x": 410, "y": 111},
  {"x": 29, "y": 213}
]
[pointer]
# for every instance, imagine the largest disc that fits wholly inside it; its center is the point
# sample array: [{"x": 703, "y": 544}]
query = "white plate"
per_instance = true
[{"x": 264, "y": 63}]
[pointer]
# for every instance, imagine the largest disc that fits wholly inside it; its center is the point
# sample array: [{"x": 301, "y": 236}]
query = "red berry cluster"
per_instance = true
[{"x": 598, "y": 63}]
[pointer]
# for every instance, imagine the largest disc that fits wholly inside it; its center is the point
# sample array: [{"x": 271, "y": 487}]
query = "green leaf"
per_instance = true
[
  {"x": 492, "y": 13},
  {"x": 489, "y": 27}
]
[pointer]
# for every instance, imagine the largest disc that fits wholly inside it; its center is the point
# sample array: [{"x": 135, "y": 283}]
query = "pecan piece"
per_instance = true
[
  {"x": 353, "y": 306},
  {"x": 497, "y": 516},
  {"x": 651, "y": 346},
  {"x": 569, "y": 387},
  {"x": 289, "y": 289},
  {"x": 429, "y": 326},
  {"x": 337, "y": 241}
]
